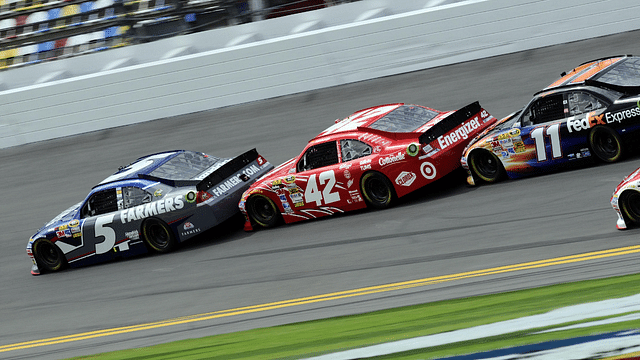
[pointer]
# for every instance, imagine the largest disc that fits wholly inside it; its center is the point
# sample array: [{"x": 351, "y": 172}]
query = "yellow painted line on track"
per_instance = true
[{"x": 325, "y": 297}]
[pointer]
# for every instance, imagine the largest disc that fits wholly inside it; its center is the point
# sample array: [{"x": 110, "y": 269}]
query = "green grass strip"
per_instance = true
[{"x": 318, "y": 337}]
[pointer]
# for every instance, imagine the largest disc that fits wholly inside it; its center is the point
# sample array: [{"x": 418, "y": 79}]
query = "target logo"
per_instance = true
[{"x": 428, "y": 170}]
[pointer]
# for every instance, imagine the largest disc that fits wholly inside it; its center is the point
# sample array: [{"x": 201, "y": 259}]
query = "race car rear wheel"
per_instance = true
[
  {"x": 630, "y": 206},
  {"x": 605, "y": 143},
  {"x": 158, "y": 236},
  {"x": 486, "y": 166},
  {"x": 377, "y": 190},
  {"x": 263, "y": 211},
  {"x": 48, "y": 255}
]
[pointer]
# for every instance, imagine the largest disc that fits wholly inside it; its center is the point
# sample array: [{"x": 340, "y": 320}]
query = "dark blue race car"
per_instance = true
[
  {"x": 153, "y": 204},
  {"x": 593, "y": 112}
]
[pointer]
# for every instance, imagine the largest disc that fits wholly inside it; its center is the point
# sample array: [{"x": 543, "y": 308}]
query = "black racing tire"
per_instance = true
[
  {"x": 48, "y": 256},
  {"x": 158, "y": 235},
  {"x": 263, "y": 211},
  {"x": 486, "y": 166},
  {"x": 377, "y": 190},
  {"x": 605, "y": 144},
  {"x": 629, "y": 203}
]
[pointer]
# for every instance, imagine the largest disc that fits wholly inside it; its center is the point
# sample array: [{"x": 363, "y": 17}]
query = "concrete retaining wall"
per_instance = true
[{"x": 323, "y": 48}]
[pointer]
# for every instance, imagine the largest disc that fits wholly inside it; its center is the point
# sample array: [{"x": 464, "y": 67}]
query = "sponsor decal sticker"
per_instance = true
[
  {"x": 347, "y": 174},
  {"x": 428, "y": 170},
  {"x": 297, "y": 198},
  {"x": 413, "y": 149},
  {"x": 376, "y": 139},
  {"x": 391, "y": 159},
  {"x": 132, "y": 235},
  {"x": 190, "y": 196},
  {"x": 150, "y": 209},
  {"x": 406, "y": 178},
  {"x": 621, "y": 115},
  {"x": 226, "y": 186},
  {"x": 251, "y": 170},
  {"x": 462, "y": 132},
  {"x": 355, "y": 196},
  {"x": 188, "y": 225},
  {"x": 190, "y": 232}
]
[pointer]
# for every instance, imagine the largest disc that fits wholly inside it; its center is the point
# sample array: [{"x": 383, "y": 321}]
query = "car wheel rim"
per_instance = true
[
  {"x": 487, "y": 165},
  {"x": 378, "y": 190},
  {"x": 48, "y": 254},
  {"x": 159, "y": 235},
  {"x": 607, "y": 145},
  {"x": 263, "y": 209},
  {"x": 632, "y": 207}
]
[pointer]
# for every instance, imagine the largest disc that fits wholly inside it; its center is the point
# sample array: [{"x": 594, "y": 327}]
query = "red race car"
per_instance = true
[{"x": 368, "y": 159}]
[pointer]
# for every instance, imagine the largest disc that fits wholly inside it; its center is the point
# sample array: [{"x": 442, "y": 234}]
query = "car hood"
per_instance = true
[
  {"x": 499, "y": 126},
  {"x": 64, "y": 217},
  {"x": 634, "y": 176},
  {"x": 281, "y": 170}
]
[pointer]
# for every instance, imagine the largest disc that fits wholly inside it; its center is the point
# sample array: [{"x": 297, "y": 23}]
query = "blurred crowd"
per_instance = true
[{"x": 32, "y": 31}]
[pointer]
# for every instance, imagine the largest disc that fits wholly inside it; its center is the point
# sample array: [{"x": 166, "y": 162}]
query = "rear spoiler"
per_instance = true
[
  {"x": 234, "y": 165},
  {"x": 450, "y": 122}
]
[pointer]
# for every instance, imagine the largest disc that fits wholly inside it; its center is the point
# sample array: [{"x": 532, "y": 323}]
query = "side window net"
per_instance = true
[
  {"x": 101, "y": 203},
  {"x": 353, "y": 149},
  {"x": 317, "y": 156},
  {"x": 548, "y": 108}
]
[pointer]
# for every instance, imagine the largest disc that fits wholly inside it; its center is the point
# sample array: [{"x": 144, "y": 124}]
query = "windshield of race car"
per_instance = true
[{"x": 405, "y": 118}]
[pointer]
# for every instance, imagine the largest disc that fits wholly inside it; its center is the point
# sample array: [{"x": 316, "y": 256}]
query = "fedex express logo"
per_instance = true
[
  {"x": 592, "y": 119},
  {"x": 462, "y": 132}
]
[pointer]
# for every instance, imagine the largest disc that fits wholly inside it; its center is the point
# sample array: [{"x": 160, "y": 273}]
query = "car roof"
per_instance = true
[
  {"x": 620, "y": 73},
  {"x": 143, "y": 165},
  {"x": 175, "y": 168},
  {"x": 390, "y": 118}
]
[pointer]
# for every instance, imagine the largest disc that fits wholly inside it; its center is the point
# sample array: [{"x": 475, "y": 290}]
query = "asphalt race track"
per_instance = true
[{"x": 448, "y": 228}]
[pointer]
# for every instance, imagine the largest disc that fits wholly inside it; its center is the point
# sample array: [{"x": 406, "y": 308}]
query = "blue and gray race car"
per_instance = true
[{"x": 153, "y": 204}]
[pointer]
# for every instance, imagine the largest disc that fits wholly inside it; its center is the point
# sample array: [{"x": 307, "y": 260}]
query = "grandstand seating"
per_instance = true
[{"x": 33, "y": 31}]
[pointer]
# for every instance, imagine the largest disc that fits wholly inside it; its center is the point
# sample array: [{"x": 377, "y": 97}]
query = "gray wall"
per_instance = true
[{"x": 323, "y": 48}]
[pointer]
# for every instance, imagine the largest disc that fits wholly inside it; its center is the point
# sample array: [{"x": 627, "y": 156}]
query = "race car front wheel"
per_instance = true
[
  {"x": 605, "y": 143},
  {"x": 47, "y": 255},
  {"x": 630, "y": 206},
  {"x": 486, "y": 166},
  {"x": 377, "y": 190},
  {"x": 158, "y": 236},
  {"x": 263, "y": 211}
]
